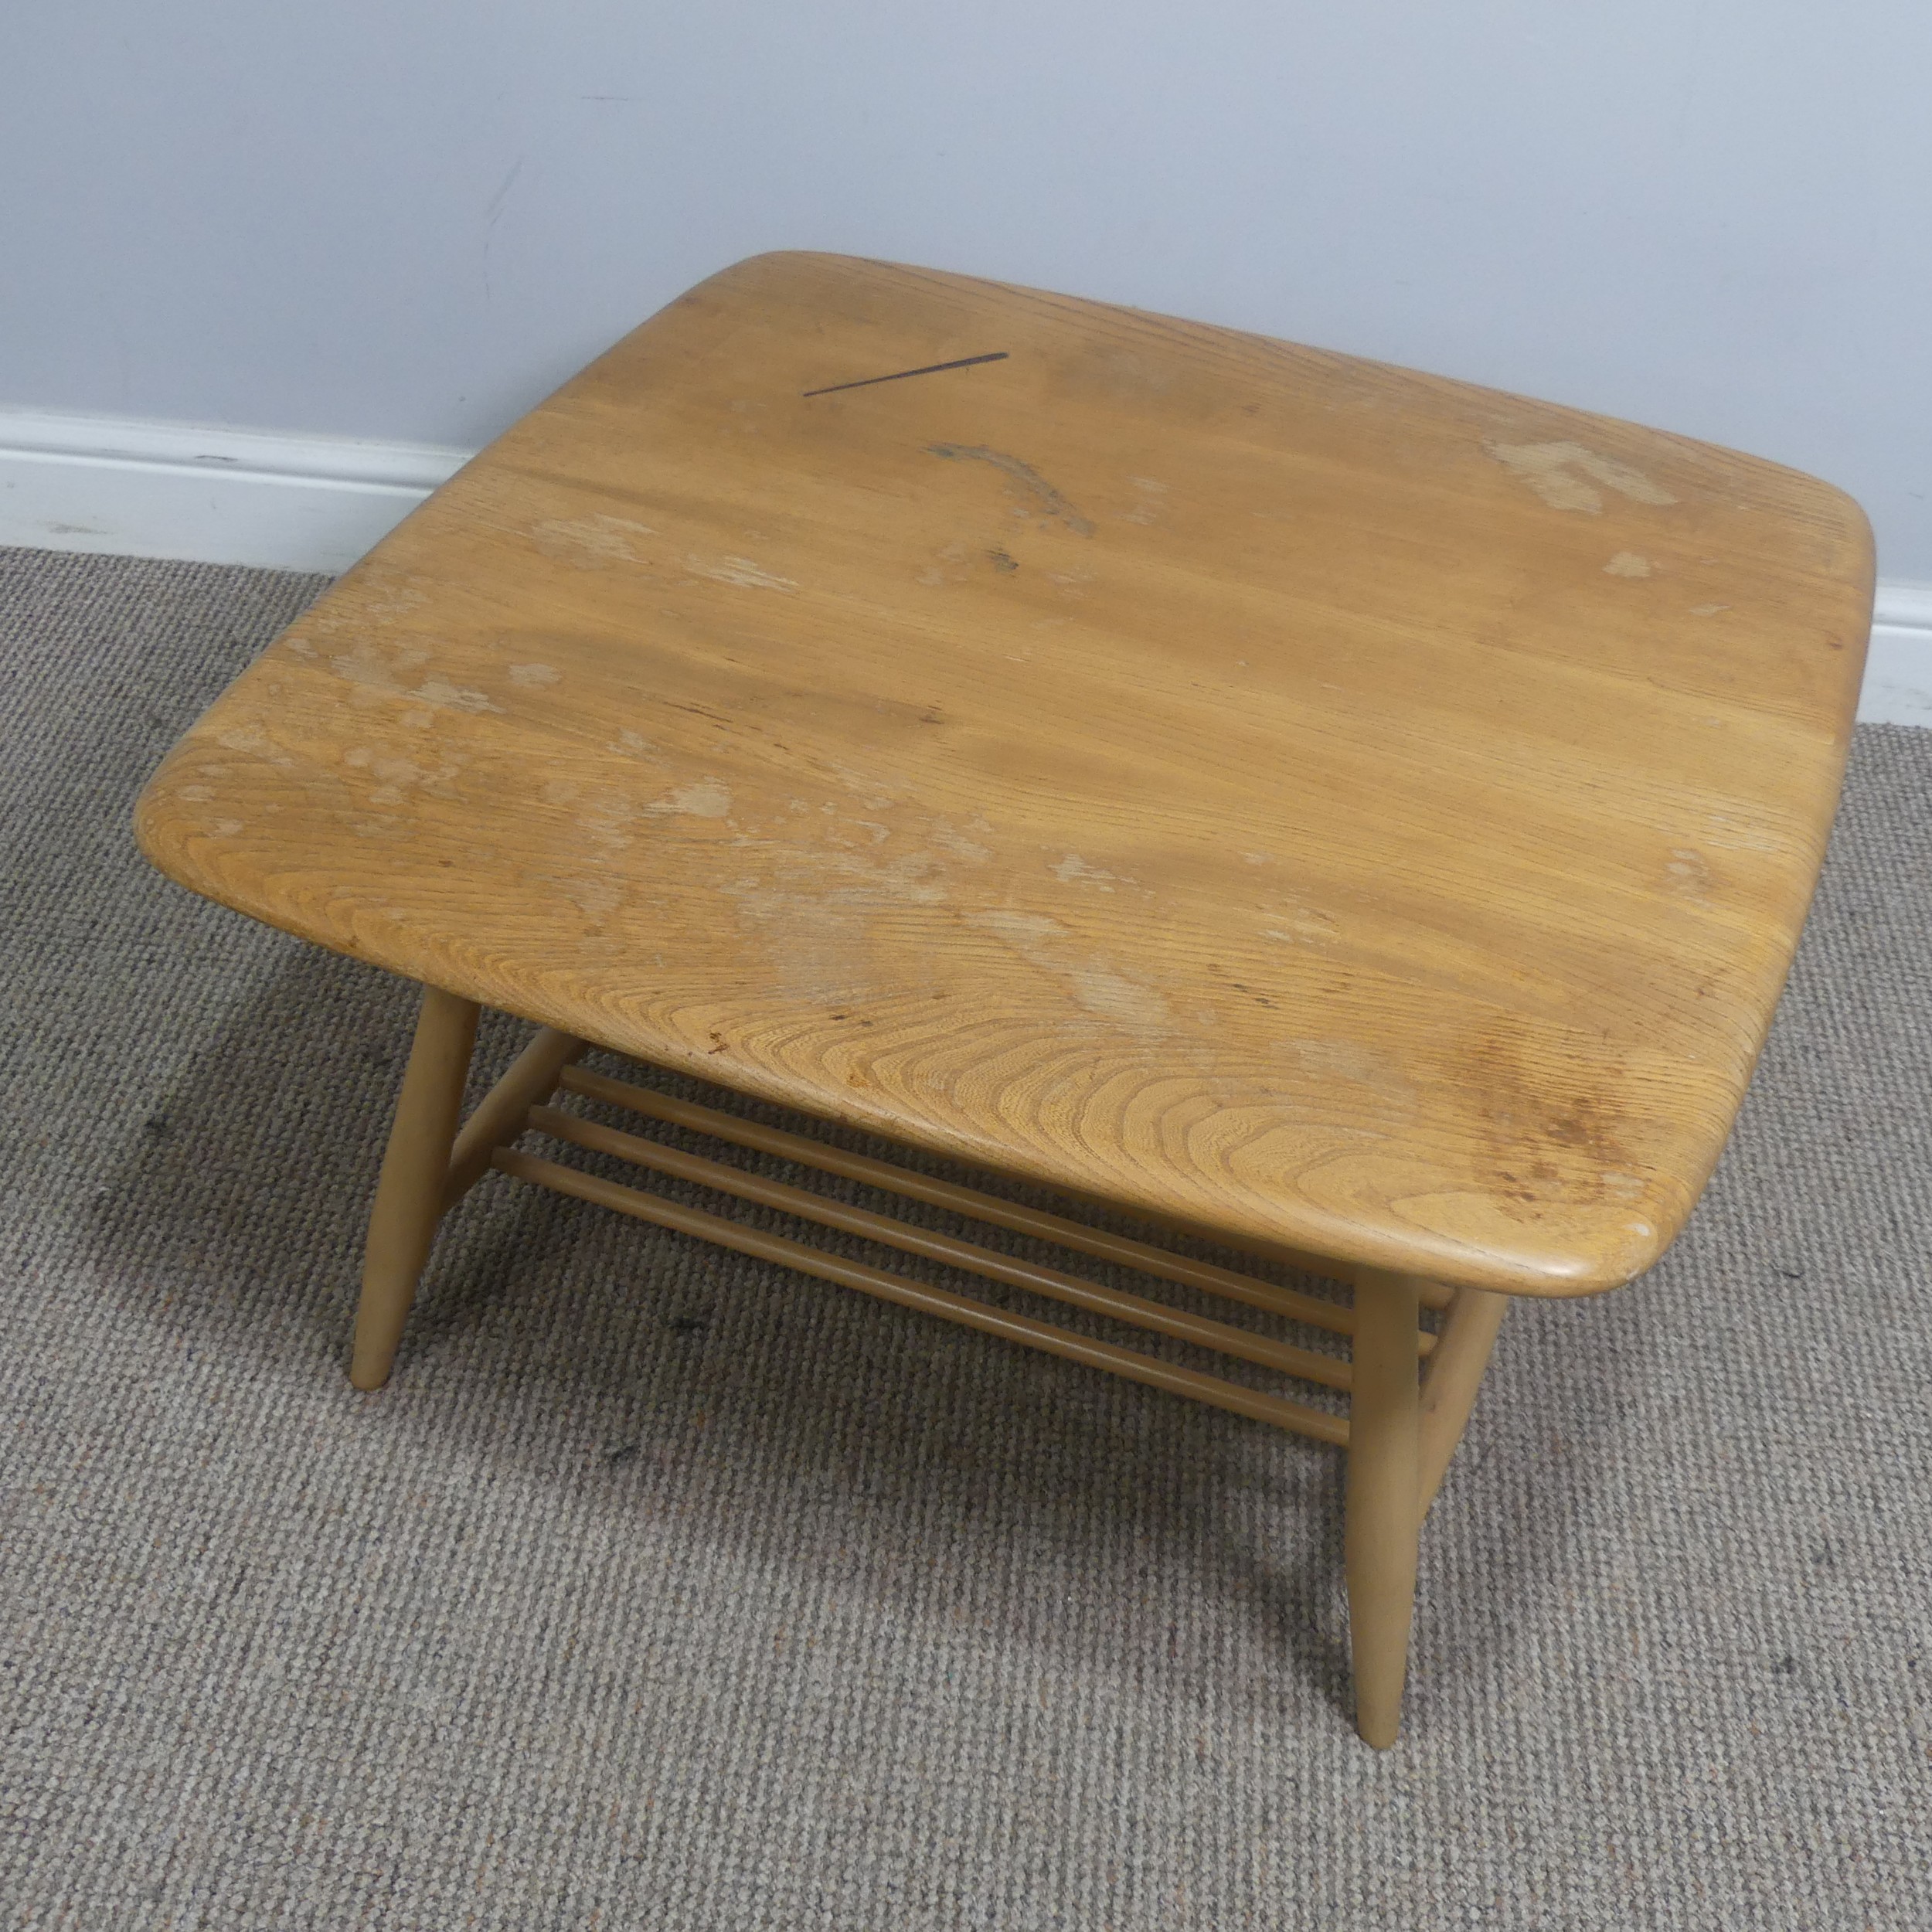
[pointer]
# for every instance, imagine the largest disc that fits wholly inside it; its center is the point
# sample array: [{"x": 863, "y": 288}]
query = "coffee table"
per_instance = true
[{"x": 1359, "y": 817}]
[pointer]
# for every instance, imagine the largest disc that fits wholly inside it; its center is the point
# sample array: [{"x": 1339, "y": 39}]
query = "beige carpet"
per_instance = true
[{"x": 664, "y": 1590}]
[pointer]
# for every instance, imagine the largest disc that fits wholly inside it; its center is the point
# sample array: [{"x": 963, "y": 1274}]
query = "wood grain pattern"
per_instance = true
[{"x": 1331, "y": 805}]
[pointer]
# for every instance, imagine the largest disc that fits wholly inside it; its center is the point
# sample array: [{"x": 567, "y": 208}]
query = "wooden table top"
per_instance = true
[{"x": 1334, "y": 805}]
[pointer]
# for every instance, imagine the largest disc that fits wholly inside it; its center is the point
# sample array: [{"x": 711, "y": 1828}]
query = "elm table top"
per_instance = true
[{"x": 1333, "y": 805}]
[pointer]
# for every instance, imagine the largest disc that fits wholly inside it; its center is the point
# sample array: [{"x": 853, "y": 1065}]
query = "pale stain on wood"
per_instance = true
[{"x": 1557, "y": 472}]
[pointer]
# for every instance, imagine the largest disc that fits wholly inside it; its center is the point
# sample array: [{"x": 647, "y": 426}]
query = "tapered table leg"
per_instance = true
[
  {"x": 1383, "y": 1520},
  {"x": 1449, "y": 1384},
  {"x": 409, "y": 1197}
]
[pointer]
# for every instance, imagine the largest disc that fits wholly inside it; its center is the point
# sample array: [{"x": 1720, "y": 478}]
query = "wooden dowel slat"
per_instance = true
[
  {"x": 1091, "y": 1295},
  {"x": 1303, "y": 1261},
  {"x": 532, "y": 1077},
  {"x": 888, "y": 1286},
  {"x": 1203, "y": 1275}
]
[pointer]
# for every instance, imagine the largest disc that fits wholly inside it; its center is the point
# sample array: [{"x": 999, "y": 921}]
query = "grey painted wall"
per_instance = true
[{"x": 410, "y": 218}]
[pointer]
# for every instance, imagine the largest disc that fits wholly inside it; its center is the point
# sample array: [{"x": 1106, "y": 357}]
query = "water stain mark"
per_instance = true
[
  {"x": 1689, "y": 875},
  {"x": 1147, "y": 508},
  {"x": 704, "y": 798},
  {"x": 1074, "y": 869},
  {"x": 590, "y": 543},
  {"x": 378, "y": 677},
  {"x": 1049, "y": 500},
  {"x": 741, "y": 570},
  {"x": 1095, "y": 985},
  {"x": 1552, "y": 471}
]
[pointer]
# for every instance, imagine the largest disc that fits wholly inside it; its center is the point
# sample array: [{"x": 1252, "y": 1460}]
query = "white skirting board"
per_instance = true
[
  {"x": 141, "y": 488},
  {"x": 1898, "y": 669},
  {"x": 286, "y": 502}
]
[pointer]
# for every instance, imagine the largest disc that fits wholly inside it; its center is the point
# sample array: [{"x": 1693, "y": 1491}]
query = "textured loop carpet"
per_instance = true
[{"x": 661, "y": 1589}]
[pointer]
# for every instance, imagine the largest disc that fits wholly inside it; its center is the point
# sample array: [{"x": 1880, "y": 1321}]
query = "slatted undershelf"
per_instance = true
[{"x": 489, "y": 1144}]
